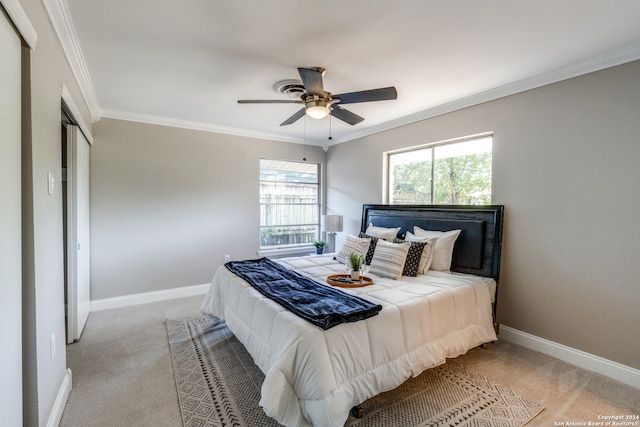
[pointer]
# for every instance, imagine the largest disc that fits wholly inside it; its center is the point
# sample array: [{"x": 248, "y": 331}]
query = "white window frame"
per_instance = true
[
  {"x": 386, "y": 192},
  {"x": 292, "y": 249}
]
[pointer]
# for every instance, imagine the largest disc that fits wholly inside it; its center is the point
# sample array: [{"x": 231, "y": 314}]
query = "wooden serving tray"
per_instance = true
[{"x": 345, "y": 281}]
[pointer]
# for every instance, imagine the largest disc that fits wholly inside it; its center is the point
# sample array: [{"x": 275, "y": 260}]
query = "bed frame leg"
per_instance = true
[
  {"x": 357, "y": 411},
  {"x": 484, "y": 346}
]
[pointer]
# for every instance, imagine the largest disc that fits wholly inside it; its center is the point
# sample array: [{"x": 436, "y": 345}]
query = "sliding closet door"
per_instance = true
[
  {"x": 78, "y": 255},
  {"x": 10, "y": 226}
]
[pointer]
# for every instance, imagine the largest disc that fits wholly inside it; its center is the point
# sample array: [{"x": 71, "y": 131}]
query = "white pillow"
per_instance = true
[
  {"x": 443, "y": 250},
  {"x": 382, "y": 232},
  {"x": 389, "y": 258},
  {"x": 353, "y": 244},
  {"x": 427, "y": 253}
]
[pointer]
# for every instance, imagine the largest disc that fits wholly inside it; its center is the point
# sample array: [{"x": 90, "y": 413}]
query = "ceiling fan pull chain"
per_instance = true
[{"x": 304, "y": 141}]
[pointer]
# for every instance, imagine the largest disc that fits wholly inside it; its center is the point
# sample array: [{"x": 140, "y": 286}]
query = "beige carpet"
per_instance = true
[
  {"x": 122, "y": 371},
  {"x": 218, "y": 384}
]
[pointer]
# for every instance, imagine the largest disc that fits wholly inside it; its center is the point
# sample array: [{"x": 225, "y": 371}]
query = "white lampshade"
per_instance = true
[
  {"x": 317, "y": 112},
  {"x": 317, "y": 108},
  {"x": 331, "y": 223}
]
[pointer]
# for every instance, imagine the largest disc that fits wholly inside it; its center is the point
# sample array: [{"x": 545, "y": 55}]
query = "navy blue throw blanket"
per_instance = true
[{"x": 321, "y": 305}]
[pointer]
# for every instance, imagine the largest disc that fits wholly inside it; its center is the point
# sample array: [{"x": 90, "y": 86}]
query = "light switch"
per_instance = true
[
  {"x": 52, "y": 346},
  {"x": 51, "y": 183}
]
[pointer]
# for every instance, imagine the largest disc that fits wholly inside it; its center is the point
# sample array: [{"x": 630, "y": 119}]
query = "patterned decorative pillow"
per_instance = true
[
  {"x": 443, "y": 251},
  {"x": 372, "y": 247},
  {"x": 427, "y": 253},
  {"x": 353, "y": 244},
  {"x": 385, "y": 233},
  {"x": 414, "y": 256},
  {"x": 427, "y": 256},
  {"x": 389, "y": 258}
]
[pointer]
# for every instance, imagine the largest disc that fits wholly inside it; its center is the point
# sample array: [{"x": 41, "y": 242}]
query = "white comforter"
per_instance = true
[{"x": 314, "y": 377}]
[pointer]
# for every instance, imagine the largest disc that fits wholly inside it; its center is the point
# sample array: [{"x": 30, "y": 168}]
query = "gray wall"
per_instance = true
[
  {"x": 566, "y": 166},
  {"x": 167, "y": 204},
  {"x": 43, "y": 272}
]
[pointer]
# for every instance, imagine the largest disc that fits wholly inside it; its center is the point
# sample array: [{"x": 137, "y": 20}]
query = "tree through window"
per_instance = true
[{"x": 454, "y": 173}]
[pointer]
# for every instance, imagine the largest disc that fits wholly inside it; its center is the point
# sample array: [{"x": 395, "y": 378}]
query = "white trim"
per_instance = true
[
  {"x": 280, "y": 252},
  {"x": 21, "y": 21},
  {"x": 606, "y": 60},
  {"x": 147, "y": 297},
  {"x": 206, "y": 127},
  {"x": 590, "y": 362},
  {"x": 61, "y": 400},
  {"x": 63, "y": 25},
  {"x": 600, "y": 62},
  {"x": 68, "y": 99},
  {"x": 60, "y": 18}
]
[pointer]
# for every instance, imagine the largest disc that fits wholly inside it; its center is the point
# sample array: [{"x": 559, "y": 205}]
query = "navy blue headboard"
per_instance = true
[{"x": 478, "y": 247}]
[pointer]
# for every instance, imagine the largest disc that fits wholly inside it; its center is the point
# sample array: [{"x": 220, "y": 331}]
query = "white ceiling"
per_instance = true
[{"x": 187, "y": 62}]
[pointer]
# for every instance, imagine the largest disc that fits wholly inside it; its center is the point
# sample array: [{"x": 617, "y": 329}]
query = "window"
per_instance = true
[
  {"x": 453, "y": 172},
  {"x": 289, "y": 203}
]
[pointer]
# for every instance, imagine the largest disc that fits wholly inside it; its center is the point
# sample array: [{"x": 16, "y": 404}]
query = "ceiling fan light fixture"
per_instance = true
[
  {"x": 318, "y": 103},
  {"x": 317, "y": 108}
]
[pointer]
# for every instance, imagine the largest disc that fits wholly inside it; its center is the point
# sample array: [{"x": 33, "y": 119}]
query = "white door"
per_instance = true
[{"x": 78, "y": 255}]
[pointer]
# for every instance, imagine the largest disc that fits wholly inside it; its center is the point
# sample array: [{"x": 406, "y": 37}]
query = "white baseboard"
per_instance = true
[
  {"x": 590, "y": 362},
  {"x": 146, "y": 297},
  {"x": 61, "y": 401}
]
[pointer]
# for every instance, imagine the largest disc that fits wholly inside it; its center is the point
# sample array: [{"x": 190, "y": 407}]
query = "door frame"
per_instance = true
[{"x": 76, "y": 312}]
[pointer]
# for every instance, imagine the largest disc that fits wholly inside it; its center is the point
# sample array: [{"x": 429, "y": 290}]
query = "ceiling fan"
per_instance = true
[{"x": 318, "y": 103}]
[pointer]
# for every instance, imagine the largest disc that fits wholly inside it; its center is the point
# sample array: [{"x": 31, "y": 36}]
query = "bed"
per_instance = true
[{"x": 315, "y": 376}]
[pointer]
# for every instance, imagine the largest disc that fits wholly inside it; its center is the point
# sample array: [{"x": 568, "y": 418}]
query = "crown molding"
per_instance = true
[
  {"x": 60, "y": 18},
  {"x": 68, "y": 99},
  {"x": 606, "y": 60},
  {"x": 205, "y": 127},
  {"x": 20, "y": 19}
]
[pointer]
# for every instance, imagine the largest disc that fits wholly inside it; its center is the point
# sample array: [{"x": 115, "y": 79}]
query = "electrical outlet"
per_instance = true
[
  {"x": 227, "y": 258},
  {"x": 52, "y": 345}
]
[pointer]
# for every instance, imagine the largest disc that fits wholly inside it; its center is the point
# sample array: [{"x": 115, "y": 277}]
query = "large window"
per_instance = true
[
  {"x": 454, "y": 172},
  {"x": 289, "y": 203}
]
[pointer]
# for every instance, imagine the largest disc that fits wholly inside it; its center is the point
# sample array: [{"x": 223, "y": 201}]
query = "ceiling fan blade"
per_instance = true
[
  {"x": 268, "y": 101},
  {"x": 382, "y": 94},
  {"x": 346, "y": 115},
  {"x": 312, "y": 80},
  {"x": 294, "y": 118}
]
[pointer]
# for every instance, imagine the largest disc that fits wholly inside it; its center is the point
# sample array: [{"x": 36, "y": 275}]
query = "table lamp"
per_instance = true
[{"x": 331, "y": 224}]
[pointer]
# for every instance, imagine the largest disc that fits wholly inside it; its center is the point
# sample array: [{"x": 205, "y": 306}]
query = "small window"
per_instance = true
[
  {"x": 289, "y": 203},
  {"x": 449, "y": 173}
]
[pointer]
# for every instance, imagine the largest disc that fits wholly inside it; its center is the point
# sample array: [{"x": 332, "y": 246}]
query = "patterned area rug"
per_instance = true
[{"x": 219, "y": 385}]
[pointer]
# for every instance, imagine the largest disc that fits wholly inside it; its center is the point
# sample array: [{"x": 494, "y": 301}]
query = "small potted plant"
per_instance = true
[
  {"x": 319, "y": 244},
  {"x": 355, "y": 262}
]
